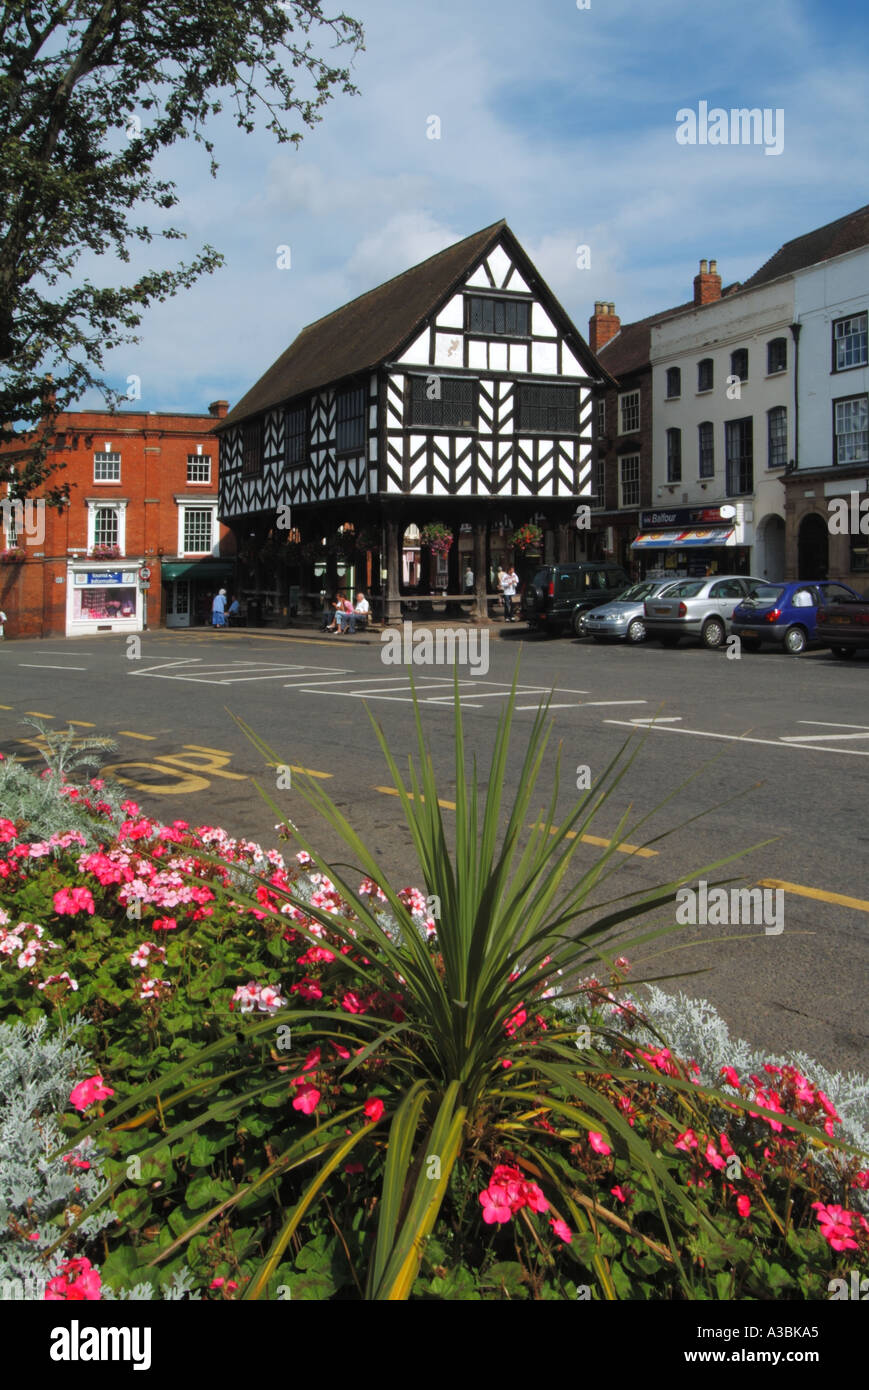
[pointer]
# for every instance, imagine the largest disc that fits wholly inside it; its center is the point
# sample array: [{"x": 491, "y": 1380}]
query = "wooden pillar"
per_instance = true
[
  {"x": 562, "y": 542},
  {"x": 392, "y": 559},
  {"x": 480, "y": 610}
]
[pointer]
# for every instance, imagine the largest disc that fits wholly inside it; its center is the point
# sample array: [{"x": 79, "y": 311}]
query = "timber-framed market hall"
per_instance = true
[{"x": 458, "y": 396}]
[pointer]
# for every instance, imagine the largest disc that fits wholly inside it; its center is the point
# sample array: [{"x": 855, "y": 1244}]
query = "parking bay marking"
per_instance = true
[{"x": 745, "y": 738}]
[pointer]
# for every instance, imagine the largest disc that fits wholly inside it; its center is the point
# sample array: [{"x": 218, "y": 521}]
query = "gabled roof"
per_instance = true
[
  {"x": 376, "y": 326},
  {"x": 847, "y": 233}
]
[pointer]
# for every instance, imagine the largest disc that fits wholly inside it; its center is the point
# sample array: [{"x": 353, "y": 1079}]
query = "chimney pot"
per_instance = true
[
  {"x": 713, "y": 267},
  {"x": 219, "y": 409},
  {"x": 704, "y": 268}
]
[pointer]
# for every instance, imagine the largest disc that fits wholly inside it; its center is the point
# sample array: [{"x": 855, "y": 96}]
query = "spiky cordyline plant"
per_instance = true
[{"x": 459, "y": 1081}]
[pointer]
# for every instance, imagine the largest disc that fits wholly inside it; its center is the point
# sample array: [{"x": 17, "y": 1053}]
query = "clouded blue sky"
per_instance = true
[{"x": 563, "y": 120}]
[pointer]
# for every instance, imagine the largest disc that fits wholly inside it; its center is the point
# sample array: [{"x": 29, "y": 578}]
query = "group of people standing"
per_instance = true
[{"x": 507, "y": 584}]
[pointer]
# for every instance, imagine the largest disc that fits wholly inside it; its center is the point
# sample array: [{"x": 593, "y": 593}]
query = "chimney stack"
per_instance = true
[
  {"x": 603, "y": 325},
  {"x": 219, "y": 409},
  {"x": 707, "y": 285}
]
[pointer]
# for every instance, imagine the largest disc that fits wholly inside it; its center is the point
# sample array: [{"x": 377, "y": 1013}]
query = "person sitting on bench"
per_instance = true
[{"x": 359, "y": 613}]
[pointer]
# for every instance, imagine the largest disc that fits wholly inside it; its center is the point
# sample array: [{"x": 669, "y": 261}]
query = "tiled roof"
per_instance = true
[
  {"x": 373, "y": 328},
  {"x": 847, "y": 233}
]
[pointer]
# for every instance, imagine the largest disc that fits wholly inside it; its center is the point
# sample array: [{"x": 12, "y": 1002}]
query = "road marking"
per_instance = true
[
  {"x": 744, "y": 738},
  {"x": 604, "y": 843},
  {"x": 128, "y": 733},
  {"x": 39, "y": 714},
  {"x": 571, "y": 834},
  {"x": 828, "y": 724},
  {"x": 81, "y": 723},
  {"x": 46, "y": 666},
  {"x": 657, "y": 719},
  {"x": 7, "y": 706},
  {"x": 308, "y": 771},
  {"x": 587, "y": 704},
  {"x": 196, "y": 761},
  {"x": 810, "y": 738},
  {"x": 821, "y": 894},
  {"x": 393, "y": 791}
]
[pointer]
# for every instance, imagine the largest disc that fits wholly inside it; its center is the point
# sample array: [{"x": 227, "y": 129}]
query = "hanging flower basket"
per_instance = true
[
  {"x": 106, "y": 552},
  {"x": 15, "y": 556},
  {"x": 437, "y": 537},
  {"x": 527, "y": 538}
]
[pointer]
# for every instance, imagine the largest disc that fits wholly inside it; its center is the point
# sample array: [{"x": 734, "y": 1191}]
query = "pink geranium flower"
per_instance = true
[
  {"x": 743, "y": 1205},
  {"x": 598, "y": 1143},
  {"x": 78, "y": 1280},
  {"x": 307, "y": 1099},
  {"x": 562, "y": 1230},
  {"x": 86, "y": 1092},
  {"x": 730, "y": 1077},
  {"x": 835, "y": 1225},
  {"x": 69, "y": 901},
  {"x": 374, "y": 1109}
]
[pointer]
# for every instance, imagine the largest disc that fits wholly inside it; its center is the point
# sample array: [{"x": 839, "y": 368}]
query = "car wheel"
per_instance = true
[
  {"x": 668, "y": 639},
  {"x": 751, "y": 644},
  {"x": 636, "y": 631},
  {"x": 579, "y": 623},
  {"x": 844, "y": 653},
  {"x": 795, "y": 641},
  {"x": 713, "y": 634}
]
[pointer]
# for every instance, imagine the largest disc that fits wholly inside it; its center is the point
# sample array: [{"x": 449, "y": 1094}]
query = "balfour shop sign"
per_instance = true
[{"x": 682, "y": 517}]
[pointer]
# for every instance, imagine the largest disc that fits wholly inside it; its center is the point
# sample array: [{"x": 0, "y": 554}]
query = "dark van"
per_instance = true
[{"x": 557, "y": 597}]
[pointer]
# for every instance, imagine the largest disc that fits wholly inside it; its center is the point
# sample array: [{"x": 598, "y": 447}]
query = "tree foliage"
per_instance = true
[{"x": 91, "y": 91}]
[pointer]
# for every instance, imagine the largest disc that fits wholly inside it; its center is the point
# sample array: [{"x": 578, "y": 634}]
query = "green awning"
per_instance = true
[{"x": 199, "y": 569}]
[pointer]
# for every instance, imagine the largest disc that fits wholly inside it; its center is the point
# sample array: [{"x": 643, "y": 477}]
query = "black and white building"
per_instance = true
[{"x": 459, "y": 392}]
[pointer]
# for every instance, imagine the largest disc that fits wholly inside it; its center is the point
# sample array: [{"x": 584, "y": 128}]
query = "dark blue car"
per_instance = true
[{"x": 786, "y": 613}]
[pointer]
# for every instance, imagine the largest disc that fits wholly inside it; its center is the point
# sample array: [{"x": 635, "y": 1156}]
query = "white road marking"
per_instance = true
[
  {"x": 46, "y": 666},
  {"x": 744, "y": 738}
]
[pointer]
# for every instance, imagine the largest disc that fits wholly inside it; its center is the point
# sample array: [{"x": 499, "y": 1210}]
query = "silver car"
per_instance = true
[
  {"x": 622, "y": 617},
  {"x": 697, "y": 608}
]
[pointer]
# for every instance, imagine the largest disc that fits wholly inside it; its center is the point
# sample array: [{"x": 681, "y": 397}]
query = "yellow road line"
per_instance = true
[
  {"x": 7, "y": 706},
  {"x": 81, "y": 723},
  {"x": 39, "y": 714},
  {"x": 821, "y": 894},
  {"x": 128, "y": 733},
  {"x": 393, "y": 791},
  {"x": 571, "y": 834},
  {"x": 309, "y": 771}
]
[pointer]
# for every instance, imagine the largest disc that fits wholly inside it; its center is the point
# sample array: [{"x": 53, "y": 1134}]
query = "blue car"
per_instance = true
[{"x": 785, "y": 614}]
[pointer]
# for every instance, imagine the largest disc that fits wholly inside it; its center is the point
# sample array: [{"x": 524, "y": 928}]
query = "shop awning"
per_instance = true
[
  {"x": 198, "y": 569},
  {"x": 681, "y": 540}
]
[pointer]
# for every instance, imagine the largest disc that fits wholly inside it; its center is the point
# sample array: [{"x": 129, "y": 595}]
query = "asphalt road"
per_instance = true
[{"x": 773, "y": 747}]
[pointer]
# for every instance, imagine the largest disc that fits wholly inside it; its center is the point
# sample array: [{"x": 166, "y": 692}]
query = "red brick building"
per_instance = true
[{"x": 137, "y": 546}]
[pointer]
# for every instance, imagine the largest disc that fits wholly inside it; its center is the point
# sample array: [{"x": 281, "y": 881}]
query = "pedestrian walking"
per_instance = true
[
  {"x": 469, "y": 580},
  {"x": 218, "y": 610}
]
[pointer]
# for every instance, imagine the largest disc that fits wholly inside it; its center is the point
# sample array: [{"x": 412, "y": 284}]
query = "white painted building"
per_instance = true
[{"x": 722, "y": 387}]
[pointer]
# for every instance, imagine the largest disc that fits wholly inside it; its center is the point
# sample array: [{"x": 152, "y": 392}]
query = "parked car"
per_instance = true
[
  {"x": 786, "y": 614},
  {"x": 843, "y": 625},
  {"x": 697, "y": 608},
  {"x": 622, "y": 618},
  {"x": 557, "y": 597}
]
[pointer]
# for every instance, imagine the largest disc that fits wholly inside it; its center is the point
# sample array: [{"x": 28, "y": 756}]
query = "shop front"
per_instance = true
[
  {"x": 103, "y": 598},
  {"x": 189, "y": 590},
  {"x": 691, "y": 542}
]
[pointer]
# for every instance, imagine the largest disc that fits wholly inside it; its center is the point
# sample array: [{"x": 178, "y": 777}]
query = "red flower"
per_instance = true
[
  {"x": 307, "y": 1099},
  {"x": 374, "y": 1109},
  {"x": 562, "y": 1230},
  {"x": 86, "y": 1092}
]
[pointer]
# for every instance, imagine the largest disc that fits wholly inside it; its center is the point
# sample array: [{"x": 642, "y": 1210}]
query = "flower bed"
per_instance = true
[{"x": 175, "y": 943}]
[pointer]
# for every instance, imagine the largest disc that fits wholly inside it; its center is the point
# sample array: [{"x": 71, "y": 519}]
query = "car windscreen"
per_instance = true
[{"x": 636, "y": 592}]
